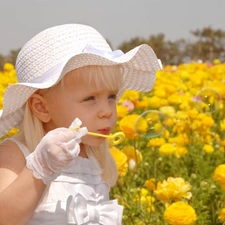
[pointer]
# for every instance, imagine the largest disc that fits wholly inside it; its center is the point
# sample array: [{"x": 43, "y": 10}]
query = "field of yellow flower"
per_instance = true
[{"x": 171, "y": 164}]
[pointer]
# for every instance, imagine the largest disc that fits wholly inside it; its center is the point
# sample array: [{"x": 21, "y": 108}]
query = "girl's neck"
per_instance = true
[{"x": 83, "y": 153}]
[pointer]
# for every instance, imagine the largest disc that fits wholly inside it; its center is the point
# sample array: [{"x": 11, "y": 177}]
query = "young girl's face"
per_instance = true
[{"x": 80, "y": 97}]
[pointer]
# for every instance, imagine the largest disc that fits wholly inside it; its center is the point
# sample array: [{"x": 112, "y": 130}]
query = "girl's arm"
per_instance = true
[{"x": 20, "y": 192}]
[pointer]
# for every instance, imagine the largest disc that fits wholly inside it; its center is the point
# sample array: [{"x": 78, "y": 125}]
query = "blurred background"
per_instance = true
[{"x": 179, "y": 31}]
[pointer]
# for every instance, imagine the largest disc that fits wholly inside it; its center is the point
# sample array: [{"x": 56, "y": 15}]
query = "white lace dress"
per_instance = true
[{"x": 78, "y": 196}]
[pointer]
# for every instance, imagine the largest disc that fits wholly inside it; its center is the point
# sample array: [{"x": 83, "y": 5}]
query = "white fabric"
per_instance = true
[
  {"x": 81, "y": 211},
  {"x": 81, "y": 179},
  {"x": 55, "y": 151}
]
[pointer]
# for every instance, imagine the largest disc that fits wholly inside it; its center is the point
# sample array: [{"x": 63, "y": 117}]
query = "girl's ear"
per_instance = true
[{"x": 38, "y": 106}]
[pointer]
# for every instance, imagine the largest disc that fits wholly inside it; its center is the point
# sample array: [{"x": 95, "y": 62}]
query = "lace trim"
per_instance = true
[{"x": 38, "y": 174}]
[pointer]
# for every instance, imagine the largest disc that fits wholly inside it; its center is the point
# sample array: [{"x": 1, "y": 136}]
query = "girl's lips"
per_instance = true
[{"x": 104, "y": 130}]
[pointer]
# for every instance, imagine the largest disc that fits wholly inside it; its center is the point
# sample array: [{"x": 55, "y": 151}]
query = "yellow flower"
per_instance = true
[
  {"x": 166, "y": 134},
  {"x": 181, "y": 126},
  {"x": 173, "y": 189},
  {"x": 160, "y": 93},
  {"x": 219, "y": 175},
  {"x": 166, "y": 149},
  {"x": 174, "y": 99},
  {"x": 154, "y": 102},
  {"x": 12, "y": 132},
  {"x": 142, "y": 104},
  {"x": 155, "y": 142},
  {"x": 145, "y": 199},
  {"x": 121, "y": 161},
  {"x": 8, "y": 67},
  {"x": 222, "y": 125},
  {"x": 180, "y": 151},
  {"x": 222, "y": 215},
  {"x": 181, "y": 140},
  {"x": 140, "y": 126},
  {"x": 130, "y": 95},
  {"x": 207, "y": 120},
  {"x": 222, "y": 142},
  {"x": 150, "y": 184},
  {"x": 180, "y": 213},
  {"x": 121, "y": 111},
  {"x": 7, "y": 76},
  {"x": 167, "y": 110},
  {"x": 221, "y": 149},
  {"x": 127, "y": 126},
  {"x": 216, "y": 61},
  {"x": 181, "y": 115},
  {"x": 208, "y": 148},
  {"x": 132, "y": 153}
]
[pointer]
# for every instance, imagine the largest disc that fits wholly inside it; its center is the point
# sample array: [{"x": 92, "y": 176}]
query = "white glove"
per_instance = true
[{"x": 55, "y": 151}]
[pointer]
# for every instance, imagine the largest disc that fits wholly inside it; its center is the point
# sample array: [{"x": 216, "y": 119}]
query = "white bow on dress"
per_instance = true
[{"x": 80, "y": 211}]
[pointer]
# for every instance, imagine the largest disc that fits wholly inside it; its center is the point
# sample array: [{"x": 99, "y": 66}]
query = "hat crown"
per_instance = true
[{"x": 54, "y": 45}]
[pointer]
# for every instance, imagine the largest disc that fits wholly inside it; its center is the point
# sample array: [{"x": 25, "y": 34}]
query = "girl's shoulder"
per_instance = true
[{"x": 11, "y": 157}]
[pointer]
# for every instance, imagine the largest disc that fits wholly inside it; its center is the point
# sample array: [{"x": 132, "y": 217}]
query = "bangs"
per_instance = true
[{"x": 102, "y": 77}]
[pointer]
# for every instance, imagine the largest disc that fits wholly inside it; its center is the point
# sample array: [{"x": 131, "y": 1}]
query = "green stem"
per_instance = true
[{"x": 154, "y": 163}]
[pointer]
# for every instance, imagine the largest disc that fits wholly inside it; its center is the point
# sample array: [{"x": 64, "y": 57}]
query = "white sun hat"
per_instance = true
[{"x": 54, "y": 52}]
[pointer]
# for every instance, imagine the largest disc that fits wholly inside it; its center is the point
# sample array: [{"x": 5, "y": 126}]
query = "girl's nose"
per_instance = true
[{"x": 106, "y": 112}]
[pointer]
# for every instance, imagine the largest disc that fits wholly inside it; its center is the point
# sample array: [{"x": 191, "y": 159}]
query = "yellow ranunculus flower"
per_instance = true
[
  {"x": 8, "y": 67},
  {"x": 181, "y": 139},
  {"x": 121, "y": 161},
  {"x": 216, "y": 61},
  {"x": 167, "y": 110},
  {"x": 181, "y": 115},
  {"x": 167, "y": 149},
  {"x": 127, "y": 126},
  {"x": 208, "y": 148},
  {"x": 156, "y": 142},
  {"x": 180, "y": 151},
  {"x": 7, "y": 76},
  {"x": 160, "y": 93},
  {"x": 130, "y": 95},
  {"x": 173, "y": 189},
  {"x": 207, "y": 120},
  {"x": 180, "y": 213},
  {"x": 222, "y": 142},
  {"x": 222, "y": 125},
  {"x": 143, "y": 104},
  {"x": 12, "y": 132},
  {"x": 219, "y": 175},
  {"x": 150, "y": 184},
  {"x": 222, "y": 215},
  {"x": 145, "y": 199},
  {"x": 121, "y": 111},
  {"x": 132, "y": 153},
  {"x": 154, "y": 102},
  {"x": 174, "y": 99}
]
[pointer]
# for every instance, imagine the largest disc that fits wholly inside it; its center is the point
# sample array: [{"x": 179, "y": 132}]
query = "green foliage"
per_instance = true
[
  {"x": 209, "y": 44},
  {"x": 196, "y": 167}
]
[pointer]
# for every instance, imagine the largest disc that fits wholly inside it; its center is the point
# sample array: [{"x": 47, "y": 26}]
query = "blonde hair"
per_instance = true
[{"x": 31, "y": 130}]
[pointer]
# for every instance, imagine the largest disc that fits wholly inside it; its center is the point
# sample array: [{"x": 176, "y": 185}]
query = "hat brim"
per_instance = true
[{"x": 139, "y": 69}]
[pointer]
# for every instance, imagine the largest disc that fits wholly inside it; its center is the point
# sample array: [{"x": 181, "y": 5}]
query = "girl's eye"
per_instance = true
[
  {"x": 89, "y": 98},
  {"x": 113, "y": 96}
]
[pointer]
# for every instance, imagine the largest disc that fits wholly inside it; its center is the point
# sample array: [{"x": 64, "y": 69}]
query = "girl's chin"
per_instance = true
[{"x": 93, "y": 141}]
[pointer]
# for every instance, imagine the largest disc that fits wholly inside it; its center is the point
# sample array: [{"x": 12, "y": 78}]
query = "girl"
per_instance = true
[{"x": 52, "y": 171}]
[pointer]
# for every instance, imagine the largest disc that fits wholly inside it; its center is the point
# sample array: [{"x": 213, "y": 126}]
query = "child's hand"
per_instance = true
[{"x": 55, "y": 151}]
